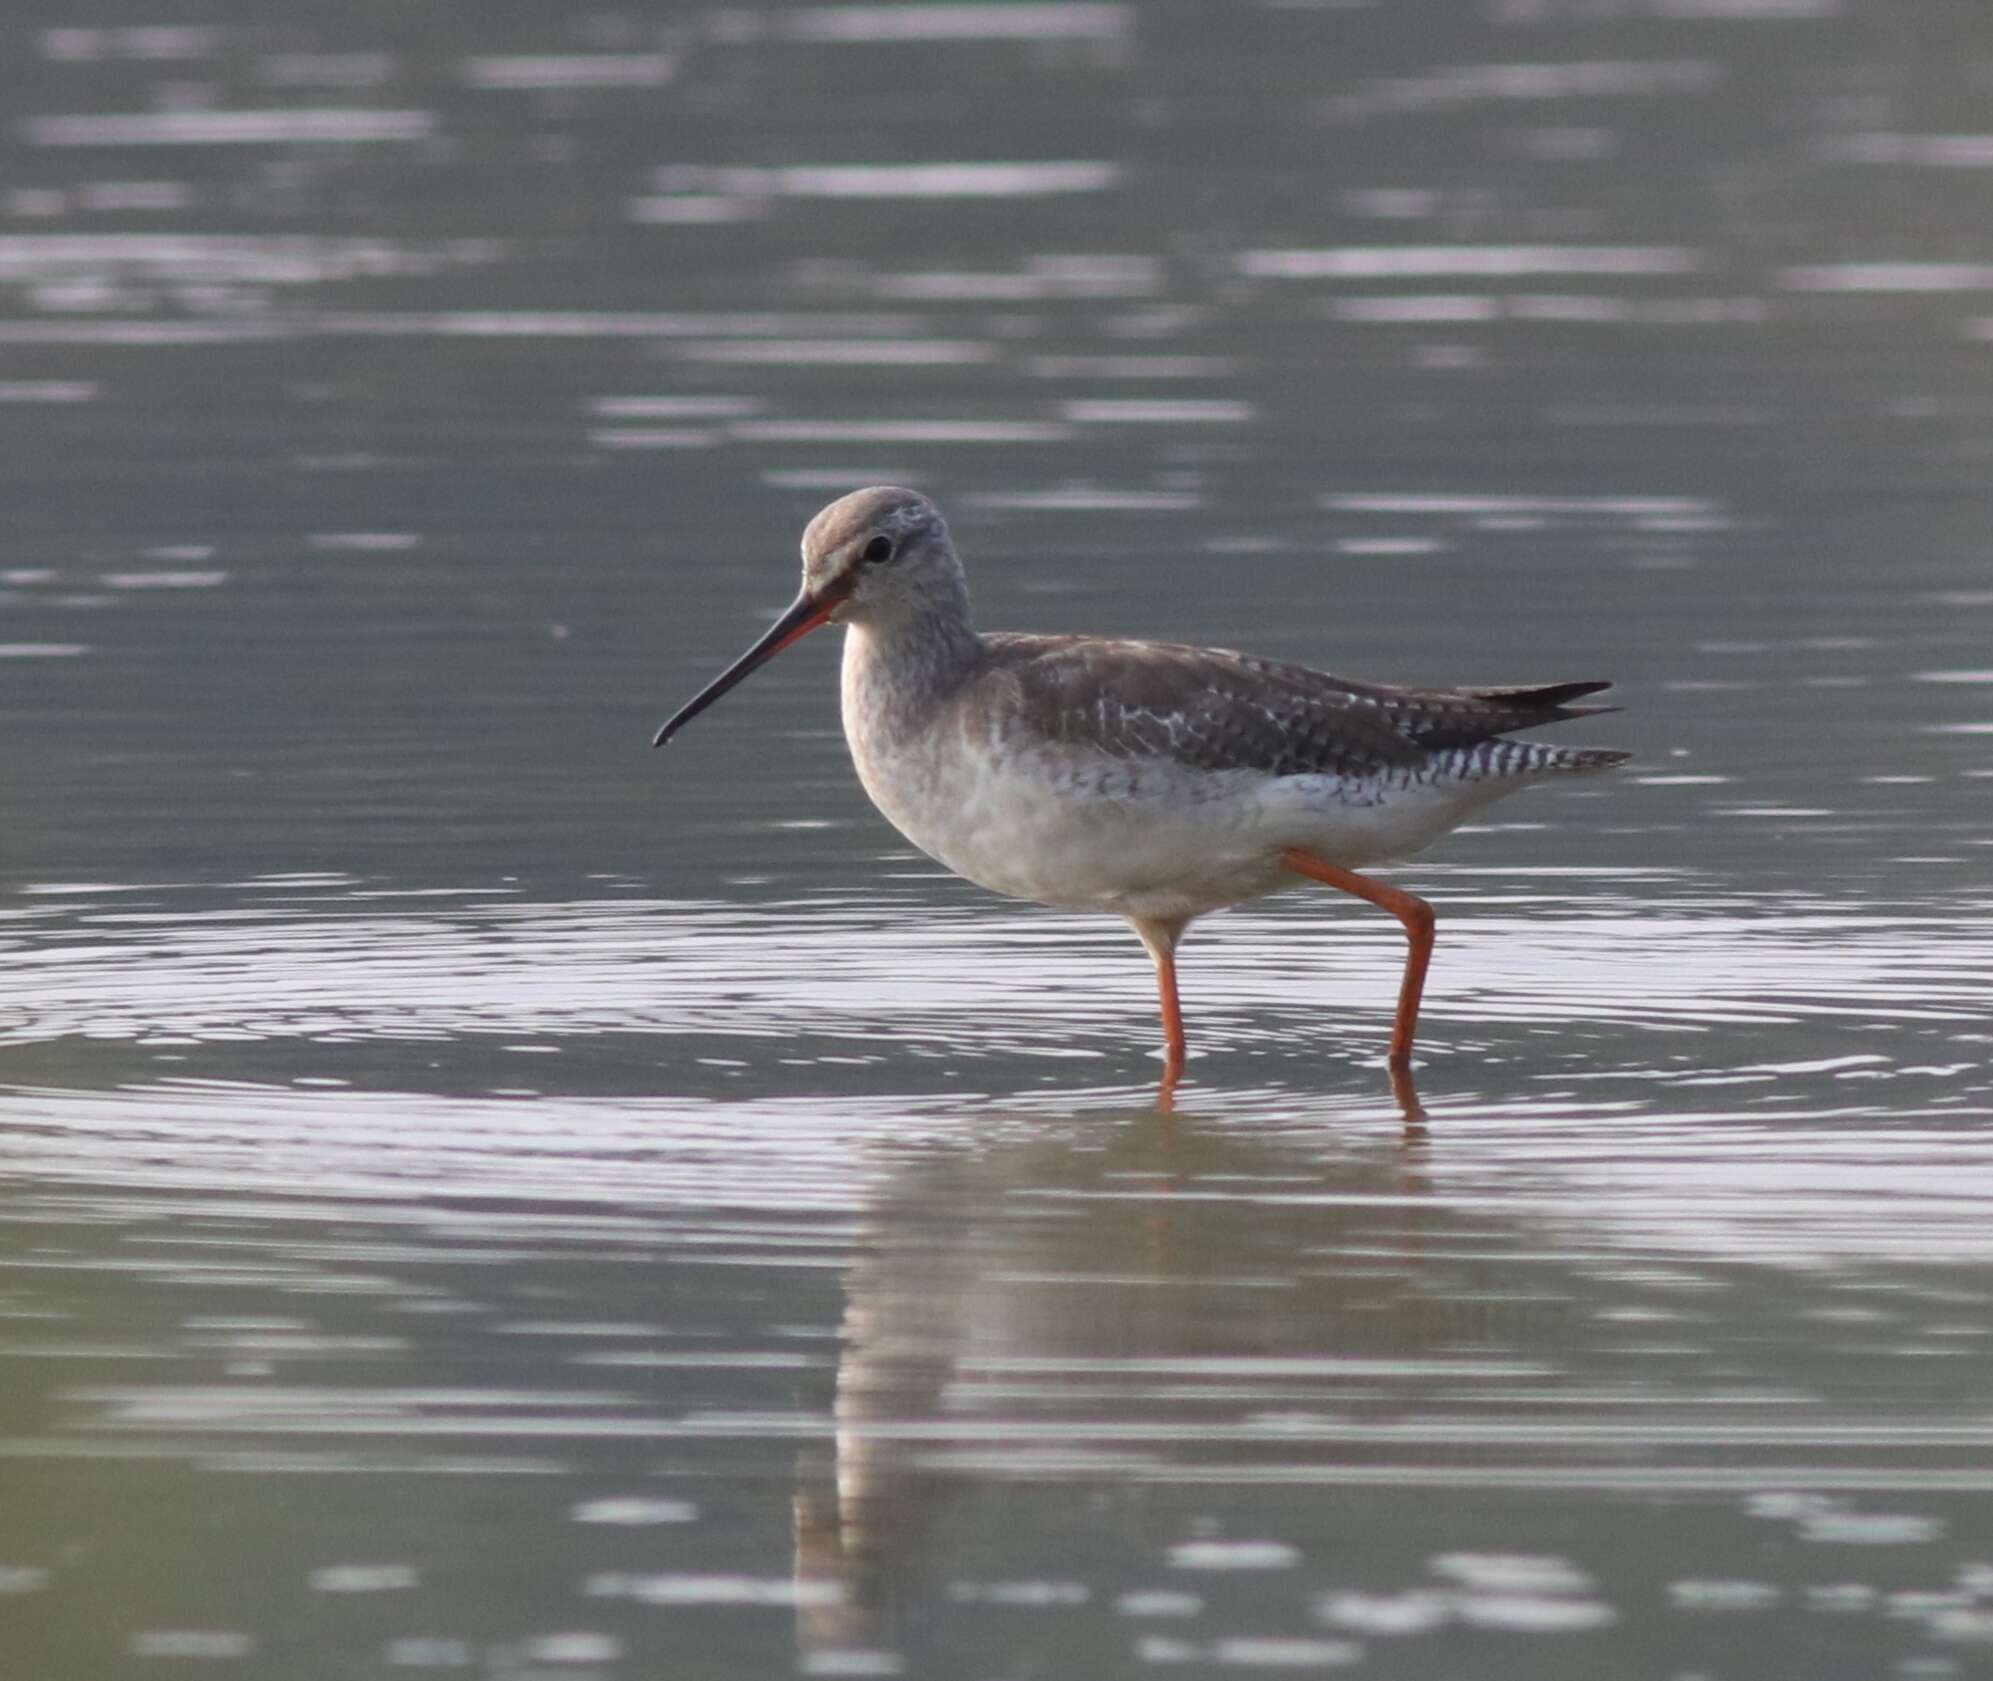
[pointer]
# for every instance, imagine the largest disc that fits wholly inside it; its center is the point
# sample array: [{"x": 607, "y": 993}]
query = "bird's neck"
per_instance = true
[{"x": 900, "y": 667}]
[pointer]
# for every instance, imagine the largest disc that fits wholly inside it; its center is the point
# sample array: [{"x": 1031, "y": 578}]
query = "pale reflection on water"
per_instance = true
[
  {"x": 839, "y": 1360},
  {"x": 1538, "y": 1356}
]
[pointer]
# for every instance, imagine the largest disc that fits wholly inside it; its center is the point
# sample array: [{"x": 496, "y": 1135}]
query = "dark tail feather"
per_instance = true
[
  {"x": 1440, "y": 718},
  {"x": 1548, "y": 700}
]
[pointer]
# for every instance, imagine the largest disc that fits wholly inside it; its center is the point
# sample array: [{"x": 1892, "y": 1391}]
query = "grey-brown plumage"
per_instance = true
[{"x": 1213, "y": 709}]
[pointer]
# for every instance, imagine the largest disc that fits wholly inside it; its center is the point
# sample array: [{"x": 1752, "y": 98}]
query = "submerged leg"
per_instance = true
[
  {"x": 1409, "y": 909},
  {"x": 1161, "y": 939}
]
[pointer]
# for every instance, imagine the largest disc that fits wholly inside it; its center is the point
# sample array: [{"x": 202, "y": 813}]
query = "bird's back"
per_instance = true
[{"x": 1214, "y": 709}]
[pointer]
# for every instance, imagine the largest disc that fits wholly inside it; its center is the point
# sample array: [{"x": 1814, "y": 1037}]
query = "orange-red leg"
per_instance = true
[
  {"x": 1405, "y": 1093},
  {"x": 1161, "y": 940},
  {"x": 1173, "y": 1041},
  {"x": 1408, "y": 908},
  {"x": 1173, "y": 1045}
]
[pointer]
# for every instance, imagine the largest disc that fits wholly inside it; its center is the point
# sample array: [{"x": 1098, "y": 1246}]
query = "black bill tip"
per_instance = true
[{"x": 802, "y": 616}]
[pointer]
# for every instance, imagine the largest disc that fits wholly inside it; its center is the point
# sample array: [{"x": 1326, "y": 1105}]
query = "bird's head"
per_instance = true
[{"x": 875, "y": 555}]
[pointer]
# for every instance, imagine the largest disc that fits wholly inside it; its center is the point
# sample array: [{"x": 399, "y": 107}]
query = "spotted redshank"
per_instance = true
[{"x": 1155, "y": 781}]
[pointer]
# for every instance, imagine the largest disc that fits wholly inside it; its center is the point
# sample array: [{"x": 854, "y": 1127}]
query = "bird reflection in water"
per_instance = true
[
  {"x": 1011, "y": 1311},
  {"x": 1404, "y": 1092}
]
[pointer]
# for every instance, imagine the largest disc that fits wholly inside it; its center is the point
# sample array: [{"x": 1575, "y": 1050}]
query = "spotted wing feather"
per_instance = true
[{"x": 1215, "y": 710}]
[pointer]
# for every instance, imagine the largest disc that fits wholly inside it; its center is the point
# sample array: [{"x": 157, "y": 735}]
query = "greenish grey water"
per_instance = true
[{"x": 477, "y": 1195}]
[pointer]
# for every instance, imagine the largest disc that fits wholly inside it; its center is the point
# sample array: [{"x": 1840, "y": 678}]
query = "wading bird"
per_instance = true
[{"x": 1155, "y": 781}]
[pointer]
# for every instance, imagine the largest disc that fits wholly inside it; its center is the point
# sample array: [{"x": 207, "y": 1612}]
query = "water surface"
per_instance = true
[{"x": 481, "y": 1196}]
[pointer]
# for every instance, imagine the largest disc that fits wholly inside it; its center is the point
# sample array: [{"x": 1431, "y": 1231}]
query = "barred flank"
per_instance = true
[
  {"x": 1502, "y": 760},
  {"x": 1575, "y": 761}
]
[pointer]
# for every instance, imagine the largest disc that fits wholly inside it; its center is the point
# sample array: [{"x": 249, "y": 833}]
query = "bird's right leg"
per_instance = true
[{"x": 1161, "y": 938}]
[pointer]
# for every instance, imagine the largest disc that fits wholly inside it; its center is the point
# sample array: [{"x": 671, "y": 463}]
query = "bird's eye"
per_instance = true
[{"x": 880, "y": 548}]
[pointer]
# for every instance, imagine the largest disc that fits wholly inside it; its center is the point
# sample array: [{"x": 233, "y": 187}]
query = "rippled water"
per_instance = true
[{"x": 478, "y": 1196}]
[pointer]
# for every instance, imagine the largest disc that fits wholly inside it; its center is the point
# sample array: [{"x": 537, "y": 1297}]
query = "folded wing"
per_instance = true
[{"x": 1213, "y": 709}]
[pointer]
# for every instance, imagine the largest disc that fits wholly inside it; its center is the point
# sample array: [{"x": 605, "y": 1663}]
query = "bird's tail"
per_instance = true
[{"x": 1549, "y": 701}]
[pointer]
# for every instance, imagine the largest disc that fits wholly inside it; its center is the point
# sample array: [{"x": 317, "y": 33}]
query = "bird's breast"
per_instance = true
[{"x": 1060, "y": 825}]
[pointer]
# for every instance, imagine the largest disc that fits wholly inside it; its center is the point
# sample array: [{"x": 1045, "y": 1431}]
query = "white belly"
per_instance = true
[{"x": 1140, "y": 837}]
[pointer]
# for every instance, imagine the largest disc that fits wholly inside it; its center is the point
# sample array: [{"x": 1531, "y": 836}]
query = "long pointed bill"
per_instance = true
[{"x": 803, "y": 615}]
